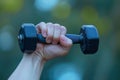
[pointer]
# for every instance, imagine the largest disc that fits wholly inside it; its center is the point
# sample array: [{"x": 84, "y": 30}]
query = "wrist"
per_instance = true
[
  {"x": 34, "y": 63},
  {"x": 29, "y": 68},
  {"x": 35, "y": 56},
  {"x": 40, "y": 54}
]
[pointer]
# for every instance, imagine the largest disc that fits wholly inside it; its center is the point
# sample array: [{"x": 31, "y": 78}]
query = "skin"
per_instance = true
[{"x": 31, "y": 65}]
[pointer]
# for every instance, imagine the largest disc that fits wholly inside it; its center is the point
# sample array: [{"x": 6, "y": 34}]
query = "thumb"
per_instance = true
[{"x": 65, "y": 42}]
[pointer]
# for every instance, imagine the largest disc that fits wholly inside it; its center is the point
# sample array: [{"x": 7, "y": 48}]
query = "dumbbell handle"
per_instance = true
[{"x": 76, "y": 39}]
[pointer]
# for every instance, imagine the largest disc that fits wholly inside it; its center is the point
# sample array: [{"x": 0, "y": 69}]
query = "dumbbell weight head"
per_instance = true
[
  {"x": 90, "y": 41},
  {"x": 27, "y": 38}
]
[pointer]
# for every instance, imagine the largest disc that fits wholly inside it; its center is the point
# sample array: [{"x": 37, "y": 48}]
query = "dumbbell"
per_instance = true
[{"x": 88, "y": 38}]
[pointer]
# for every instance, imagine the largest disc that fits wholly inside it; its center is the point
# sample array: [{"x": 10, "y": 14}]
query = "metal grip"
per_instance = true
[{"x": 75, "y": 38}]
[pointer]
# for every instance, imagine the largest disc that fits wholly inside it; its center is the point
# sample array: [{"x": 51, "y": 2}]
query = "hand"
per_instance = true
[{"x": 54, "y": 34}]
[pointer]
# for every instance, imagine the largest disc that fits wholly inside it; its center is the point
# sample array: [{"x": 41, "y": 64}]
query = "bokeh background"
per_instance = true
[{"x": 104, "y": 14}]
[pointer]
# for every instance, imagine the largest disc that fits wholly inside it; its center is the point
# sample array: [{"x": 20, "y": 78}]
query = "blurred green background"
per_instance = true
[{"x": 104, "y": 14}]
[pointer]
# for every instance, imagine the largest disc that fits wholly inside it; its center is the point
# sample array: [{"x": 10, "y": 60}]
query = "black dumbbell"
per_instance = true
[{"x": 88, "y": 38}]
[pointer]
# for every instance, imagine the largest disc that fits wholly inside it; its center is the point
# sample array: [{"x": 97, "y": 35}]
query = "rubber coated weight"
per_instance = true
[
  {"x": 27, "y": 38},
  {"x": 88, "y": 38}
]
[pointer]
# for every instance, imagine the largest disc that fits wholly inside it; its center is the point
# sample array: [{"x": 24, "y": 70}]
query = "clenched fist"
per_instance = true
[{"x": 55, "y": 35}]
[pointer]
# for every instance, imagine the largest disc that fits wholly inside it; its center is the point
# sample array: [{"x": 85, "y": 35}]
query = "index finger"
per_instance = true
[{"x": 41, "y": 28}]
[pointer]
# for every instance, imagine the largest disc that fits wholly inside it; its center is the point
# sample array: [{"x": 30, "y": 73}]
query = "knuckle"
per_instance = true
[
  {"x": 57, "y": 28},
  {"x": 56, "y": 24},
  {"x": 49, "y": 23},
  {"x": 41, "y": 23},
  {"x": 63, "y": 29}
]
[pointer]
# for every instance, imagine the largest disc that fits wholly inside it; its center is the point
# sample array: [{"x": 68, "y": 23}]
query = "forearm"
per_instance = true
[{"x": 30, "y": 68}]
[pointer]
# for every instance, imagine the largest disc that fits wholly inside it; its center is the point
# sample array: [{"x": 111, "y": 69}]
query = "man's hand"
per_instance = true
[{"x": 55, "y": 35}]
